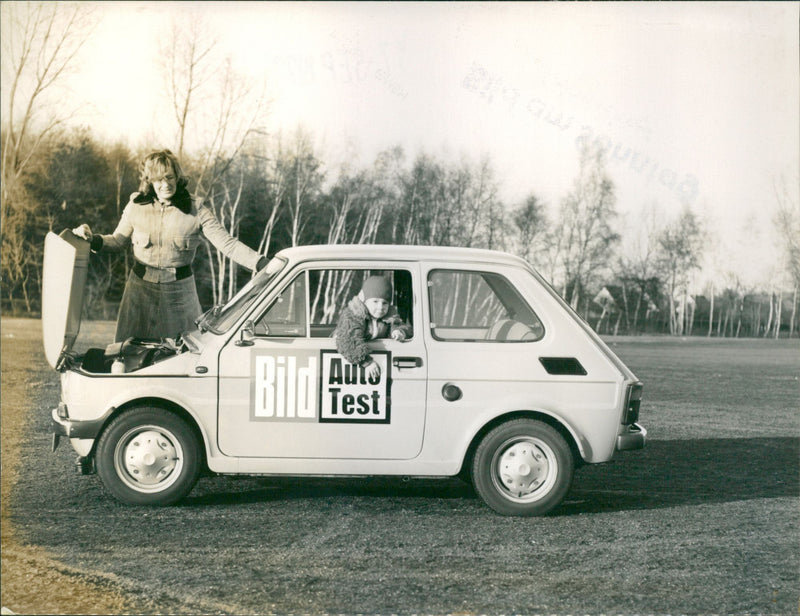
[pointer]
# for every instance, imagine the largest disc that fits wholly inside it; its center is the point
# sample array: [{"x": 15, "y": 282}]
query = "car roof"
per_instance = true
[{"x": 398, "y": 252}]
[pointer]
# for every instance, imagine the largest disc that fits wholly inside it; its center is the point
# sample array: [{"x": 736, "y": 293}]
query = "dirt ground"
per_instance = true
[{"x": 33, "y": 582}]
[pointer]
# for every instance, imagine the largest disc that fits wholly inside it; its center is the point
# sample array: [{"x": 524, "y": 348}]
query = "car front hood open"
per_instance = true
[{"x": 66, "y": 264}]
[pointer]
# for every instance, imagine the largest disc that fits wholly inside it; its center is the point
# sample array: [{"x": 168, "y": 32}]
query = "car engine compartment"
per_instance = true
[{"x": 122, "y": 357}]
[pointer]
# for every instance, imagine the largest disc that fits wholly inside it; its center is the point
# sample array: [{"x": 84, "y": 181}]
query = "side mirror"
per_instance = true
[{"x": 246, "y": 334}]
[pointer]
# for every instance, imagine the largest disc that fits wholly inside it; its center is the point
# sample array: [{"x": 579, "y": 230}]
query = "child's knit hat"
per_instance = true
[{"x": 377, "y": 286}]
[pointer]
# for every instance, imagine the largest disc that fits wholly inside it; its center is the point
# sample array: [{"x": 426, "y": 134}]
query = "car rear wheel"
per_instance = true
[
  {"x": 148, "y": 456},
  {"x": 523, "y": 467}
]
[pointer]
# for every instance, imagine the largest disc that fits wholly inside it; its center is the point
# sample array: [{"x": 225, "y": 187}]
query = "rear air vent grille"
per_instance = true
[{"x": 562, "y": 365}]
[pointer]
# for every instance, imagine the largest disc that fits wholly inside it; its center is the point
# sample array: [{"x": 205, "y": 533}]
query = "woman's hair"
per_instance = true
[{"x": 155, "y": 165}]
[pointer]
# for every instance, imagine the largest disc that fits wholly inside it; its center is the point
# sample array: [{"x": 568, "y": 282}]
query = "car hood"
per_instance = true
[{"x": 66, "y": 263}]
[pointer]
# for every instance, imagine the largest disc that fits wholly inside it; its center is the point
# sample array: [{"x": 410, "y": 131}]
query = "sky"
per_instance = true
[{"x": 696, "y": 103}]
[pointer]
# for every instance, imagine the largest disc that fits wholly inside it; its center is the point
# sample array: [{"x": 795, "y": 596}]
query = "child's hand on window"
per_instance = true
[
  {"x": 373, "y": 371},
  {"x": 398, "y": 335}
]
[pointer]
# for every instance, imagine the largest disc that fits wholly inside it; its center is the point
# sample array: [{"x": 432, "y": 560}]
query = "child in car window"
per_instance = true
[{"x": 368, "y": 316}]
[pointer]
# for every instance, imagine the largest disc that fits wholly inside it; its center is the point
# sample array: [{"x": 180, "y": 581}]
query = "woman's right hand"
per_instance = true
[{"x": 83, "y": 231}]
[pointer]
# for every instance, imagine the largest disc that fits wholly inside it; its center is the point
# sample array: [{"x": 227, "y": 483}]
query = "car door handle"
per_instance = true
[{"x": 407, "y": 362}]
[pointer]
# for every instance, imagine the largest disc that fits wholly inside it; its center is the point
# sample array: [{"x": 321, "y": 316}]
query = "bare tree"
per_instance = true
[
  {"x": 732, "y": 301},
  {"x": 234, "y": 115},
  {"x": 711, "y": 298},
  {"x": 216, "y": 111},
  {"x": 787, "y": 223},
  {"x": 639, "y": 266},
  {"x": 188, "y": 68},
  {"x": 304, "y": 171},
  {"x": 357, "y": 209},
  {"x": 484, "y": 212},
  {"x": 226, "y": 203},
  {"x": 441, "y": 205},
  {"x": 389, "y": 173},
  {"x": 530, "y": 227},
  {"x": 584, "y": 235},
  {"x": 466, "y": 210},
  {"x": 418, "y": 215},
  {"x": 681, "y": 248},
  {"x": 276, "y": 179},
  {"x": 39, "y": 44}
]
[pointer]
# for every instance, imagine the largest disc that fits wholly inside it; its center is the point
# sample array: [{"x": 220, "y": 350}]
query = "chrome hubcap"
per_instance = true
[
  {"x": 148, "y": 458},
  {"x": 524, "y": 469}
]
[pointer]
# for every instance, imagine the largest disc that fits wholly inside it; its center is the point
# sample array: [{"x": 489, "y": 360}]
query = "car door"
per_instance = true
[
  {"x": 284, "y": 390},
  {"x": 484, "y": 341}
]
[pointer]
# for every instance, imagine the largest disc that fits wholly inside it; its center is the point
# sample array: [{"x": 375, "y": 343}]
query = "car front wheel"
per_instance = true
[
  {"x": 148, "y": 456},
  {"x": 523, "y": 467}
]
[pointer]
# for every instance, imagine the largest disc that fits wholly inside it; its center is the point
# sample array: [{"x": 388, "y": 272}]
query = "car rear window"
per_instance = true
[{"x": 479, "y": 306}]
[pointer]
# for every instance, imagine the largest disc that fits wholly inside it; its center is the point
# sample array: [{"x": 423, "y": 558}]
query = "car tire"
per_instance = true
[
  {"x": 148, "y": 456},
  {"x": 523, "y": 467}
]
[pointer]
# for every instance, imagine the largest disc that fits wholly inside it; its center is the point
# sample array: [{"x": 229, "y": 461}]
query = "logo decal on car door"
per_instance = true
[
  {"x": 284, "y": 386},
  {"x": 323, "y": 387},
  {"x": 348, "y": 395}
]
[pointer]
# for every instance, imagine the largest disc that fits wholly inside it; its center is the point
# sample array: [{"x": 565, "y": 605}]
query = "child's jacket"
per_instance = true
[{"x": 356, "y": 326}]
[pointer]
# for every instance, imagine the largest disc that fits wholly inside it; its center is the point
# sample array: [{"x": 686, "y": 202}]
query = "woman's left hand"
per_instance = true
[{"x": 83, "y": 231}]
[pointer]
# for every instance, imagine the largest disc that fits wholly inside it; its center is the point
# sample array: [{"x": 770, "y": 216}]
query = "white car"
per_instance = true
[{"x": 500, "y": 382}]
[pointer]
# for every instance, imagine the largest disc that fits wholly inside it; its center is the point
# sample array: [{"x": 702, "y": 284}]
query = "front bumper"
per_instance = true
[
  {"x": 73, "y": 429},
  {"x": 634, "y": 438}
]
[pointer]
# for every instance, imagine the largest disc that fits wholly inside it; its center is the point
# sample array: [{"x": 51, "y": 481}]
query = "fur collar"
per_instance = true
[
  {"x": 358, "y": 308},
  {"x": 182, "y": 199}
]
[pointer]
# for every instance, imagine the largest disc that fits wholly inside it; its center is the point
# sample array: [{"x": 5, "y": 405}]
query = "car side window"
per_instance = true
[
  {"x": 313, "y": 302},
  {"x": 287, "y": 315},
  {"x": 331, "y": 290},
  {"x": 479, "y": 306}
]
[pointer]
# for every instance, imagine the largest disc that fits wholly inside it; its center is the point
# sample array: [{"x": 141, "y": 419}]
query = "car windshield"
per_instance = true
[{"x": 220, "y": 318}]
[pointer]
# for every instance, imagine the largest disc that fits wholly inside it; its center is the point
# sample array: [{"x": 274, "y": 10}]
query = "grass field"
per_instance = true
[{"x": 705, "y": 520}]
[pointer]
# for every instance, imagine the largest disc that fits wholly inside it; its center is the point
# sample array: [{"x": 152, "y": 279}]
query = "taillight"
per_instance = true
[{"x": 633, "y": 399}]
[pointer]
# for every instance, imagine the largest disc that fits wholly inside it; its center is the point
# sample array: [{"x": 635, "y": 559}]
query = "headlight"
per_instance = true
[{"x": 62, "y": 411}]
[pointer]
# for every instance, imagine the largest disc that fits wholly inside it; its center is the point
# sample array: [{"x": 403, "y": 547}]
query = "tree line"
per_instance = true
[
  {"x": 273, "y": 189},
  {"x": 276, "y": 193}
]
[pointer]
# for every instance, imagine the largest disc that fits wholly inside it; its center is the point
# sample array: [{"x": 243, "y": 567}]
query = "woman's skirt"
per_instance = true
[{"x": 157, "y": 310}]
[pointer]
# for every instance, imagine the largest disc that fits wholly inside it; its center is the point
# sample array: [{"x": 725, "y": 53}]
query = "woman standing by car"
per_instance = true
[{"x": 163, "y": 223}]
